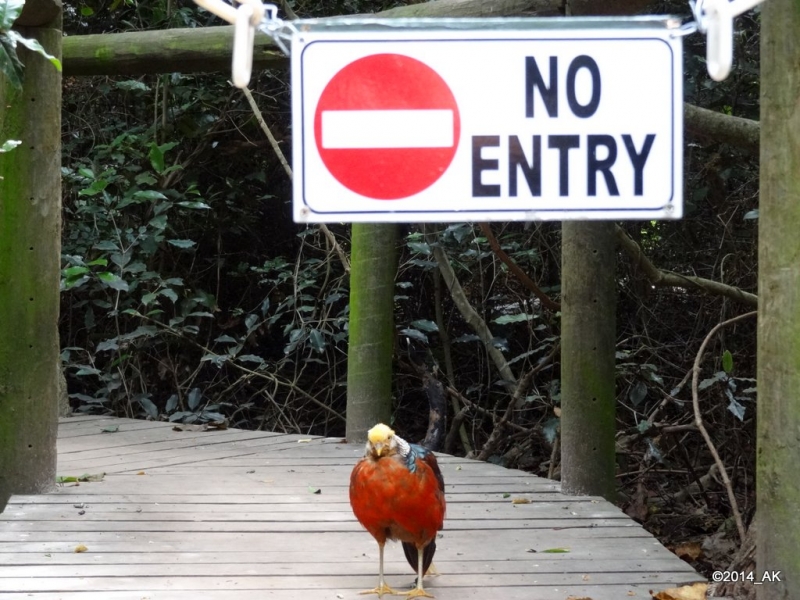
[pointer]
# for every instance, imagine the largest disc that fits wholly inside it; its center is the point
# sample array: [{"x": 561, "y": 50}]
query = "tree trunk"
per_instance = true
[
  {"x": 373, "y": 266},
  {"x": 30, "y": 233},
  {"x": 778, "y": 487},
  {"x": 588, "y": 336}
]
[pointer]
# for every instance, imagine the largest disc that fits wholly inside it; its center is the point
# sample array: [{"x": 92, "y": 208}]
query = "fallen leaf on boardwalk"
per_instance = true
[
  {"x": 689, "y": 550},
  {"x": 520, "y": 501},
  {"x": 556, "y": 550},
  {"x": 141, "y": 473},
  {"x": 81, "y": 548},
  {"x": 77, "y": 478},
  {"x": 506, "y": 495},
  {"x": 314, "y": 490},
  {"x": 696, "y": 591},
  {"x": 586, "y": 578},
  {"x": 631, "y": 593},
  {"x": 112, "y": 429},
  {"x": 304, "y": 441},
  {"x": 578, "y": 598}
]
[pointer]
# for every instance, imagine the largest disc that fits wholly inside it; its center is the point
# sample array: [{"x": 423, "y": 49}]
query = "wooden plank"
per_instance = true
[
  {"x": 265, "y": 562},
  {"x": 180, "y": 531},
  {"x": 607, "y": 592}
]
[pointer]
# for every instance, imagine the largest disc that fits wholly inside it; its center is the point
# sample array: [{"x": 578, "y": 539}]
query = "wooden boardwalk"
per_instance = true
[{"x": 224, "y": 515}]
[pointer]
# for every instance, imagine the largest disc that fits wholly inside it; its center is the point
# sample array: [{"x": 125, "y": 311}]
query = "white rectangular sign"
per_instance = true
[{"x": 490, "y": 120}]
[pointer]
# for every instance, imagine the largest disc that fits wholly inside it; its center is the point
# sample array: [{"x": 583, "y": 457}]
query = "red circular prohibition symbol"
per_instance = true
[{"x": 387, "y": 82}]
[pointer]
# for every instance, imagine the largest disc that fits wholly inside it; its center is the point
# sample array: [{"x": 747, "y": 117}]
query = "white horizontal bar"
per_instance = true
[{"x": 351, "y": 129}]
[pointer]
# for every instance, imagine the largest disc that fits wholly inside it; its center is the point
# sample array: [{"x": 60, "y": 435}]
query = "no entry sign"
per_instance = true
[{"x": 459, "y": 120}]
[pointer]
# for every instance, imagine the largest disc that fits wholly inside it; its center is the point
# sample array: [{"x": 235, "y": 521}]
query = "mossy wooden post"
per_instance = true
[
  {"x": 373, "y": 265},
  {"x": 30, "y": 230},
  {"x": 778, "y": 456},
  {"x": 588, "y": 335}
]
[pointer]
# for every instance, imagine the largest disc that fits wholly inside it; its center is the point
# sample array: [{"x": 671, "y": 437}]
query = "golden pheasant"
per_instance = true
[{"x": 397, "y": 493}]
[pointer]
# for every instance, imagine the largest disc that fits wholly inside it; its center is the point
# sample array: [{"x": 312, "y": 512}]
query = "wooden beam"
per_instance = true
[{"x": 208, "y": 49}]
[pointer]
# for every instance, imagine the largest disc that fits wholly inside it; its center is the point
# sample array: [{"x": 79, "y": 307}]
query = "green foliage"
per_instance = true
[{"x": 10, "y": 65}]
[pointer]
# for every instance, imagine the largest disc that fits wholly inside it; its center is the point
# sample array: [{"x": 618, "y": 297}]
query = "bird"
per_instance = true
[{"x": 397, "y": 493}]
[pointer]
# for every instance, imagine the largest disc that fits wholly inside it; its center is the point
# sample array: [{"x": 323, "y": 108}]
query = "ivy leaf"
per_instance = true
[
  {"x": 638, "y": 393},
  {"x": 9, "y": 12},
  {"x": 34, "y": 46},
  {"x": 419, "y": 247},
  {"x": 727, "y": 361},
  {"x": 424, "y": 325},
  {"x": 182, "y": 243},
  {"x": 505, "y": 319},
  {"x": 115, "y": 282},
  {"x": 148, "y": 406},
  {"x": 415, "y": 334},
  {"x": 10, "y": 65}
]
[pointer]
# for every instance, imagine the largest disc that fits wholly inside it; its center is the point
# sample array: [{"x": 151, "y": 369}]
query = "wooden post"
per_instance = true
[
  {"x": 778, "y": 487},
  {"x": 30, "y": 246},
  {"x": 588, "y": 336},
  {"x": 373, "y": 265}
]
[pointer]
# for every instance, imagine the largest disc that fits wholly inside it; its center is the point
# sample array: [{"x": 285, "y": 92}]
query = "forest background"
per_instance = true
[{"x": 189, "y": 295}]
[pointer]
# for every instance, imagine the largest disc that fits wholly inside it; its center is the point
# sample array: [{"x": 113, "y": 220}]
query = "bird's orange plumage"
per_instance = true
[
  {"x": 393, "y": 503},
  {"x": 397, "y": 493}
]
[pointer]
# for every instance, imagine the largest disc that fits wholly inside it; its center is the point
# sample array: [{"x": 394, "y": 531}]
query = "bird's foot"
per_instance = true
[
  {"x": 381, "y": 590},
  {"x": 416, "y": 593}
]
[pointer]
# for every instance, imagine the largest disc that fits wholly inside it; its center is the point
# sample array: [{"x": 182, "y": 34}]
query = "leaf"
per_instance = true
[
  {"x": 72, "y": 272},
  {"x": 156, "y": 157},
  {"x": 182, "y": 243},
  {"x": 505, "y": 319},
  {"x": 250, "y": 358},
  {"x": 169, "y": 293},
  {"x": 35, "y": 46},
  {"x": 132, "y": 85},
  {"x": 113, "y": 281},
  {"x": 467, "y": 337},
  {"x": 110, "y": 344},
  {"x": 550, "y": 429},
  {"x": 10, "y": 65},
  {"x": 696, "y": 591},
  {"x": 638, "y": 393},
  {"x": 317, "y": 340},
  {"x": 195, "y": 205},
  {"x": 9, "y": 12},
  {"x": 194, "y": 398},
  {"x": 148, "y": 298},
  {"x": 424, "y": 325},
  {"x": 150, "y": 195},
  {"x": 420, "y": 247},
  {"x": 736, "y": 408},
  {"x": 727, "y": 361},
  {"x": 314, "y": 490},
  {"x": 81, "y": 548},
  {"x": 111, "y": 429},
  {"x": 9, "y": 145},
  {"x": 148, "y": 406},
  {"x": 751, "y": 215},
  {"x": 172, "y": 403},
  {"x": 556, "y": 551},
  {"x": 718, "y": 376},
  {"x": 520, "y": 500},
  {"x": 415, "y": 335},
  {"x": 87, "y": 11}
]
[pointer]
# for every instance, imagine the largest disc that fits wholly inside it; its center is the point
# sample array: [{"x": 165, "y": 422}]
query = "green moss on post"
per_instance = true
[
  {"x": 30, "y": 230},
  {"x": 588, "y": 336},
  {"x": 373, "y": 266},
  {"x": 778, "y": 457}
]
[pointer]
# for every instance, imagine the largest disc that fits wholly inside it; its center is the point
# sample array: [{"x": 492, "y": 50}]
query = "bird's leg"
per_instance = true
[
  {"x": 418, "y": 591},
  {"x": 382, "y": 587}
]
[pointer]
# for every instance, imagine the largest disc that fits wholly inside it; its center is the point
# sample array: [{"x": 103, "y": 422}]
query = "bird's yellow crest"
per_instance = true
[{"x": 379, "y": 433}]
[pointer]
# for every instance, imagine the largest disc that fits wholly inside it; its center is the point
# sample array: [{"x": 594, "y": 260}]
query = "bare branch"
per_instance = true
[
  {"x": 669, "y": 279},
  {"x": 713, "y": 126}
]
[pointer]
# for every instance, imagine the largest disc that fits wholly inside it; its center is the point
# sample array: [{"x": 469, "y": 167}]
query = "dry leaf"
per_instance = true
[
  {"x": 81, "y": 548},
  {"x": 695, "y": 591},
  {"x": 557, "y": 411},
  {"x": 631, "y": 593},
  {"x": 586, "y": 578},
  {"x": 689, "y": 550},
  {"x": 520, "y": 501},
  {"x": 304, "y": 441},
  {"x": 578, "y": 598},
  {"x": 141, "y": 473}
]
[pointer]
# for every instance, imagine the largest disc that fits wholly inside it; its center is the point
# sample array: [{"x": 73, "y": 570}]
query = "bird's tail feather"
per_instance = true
[{"x": 410, "y": 550}]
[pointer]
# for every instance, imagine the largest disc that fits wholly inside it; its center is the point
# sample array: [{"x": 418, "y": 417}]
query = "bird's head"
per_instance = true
[{"x": 381, "y": 441}]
